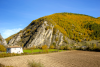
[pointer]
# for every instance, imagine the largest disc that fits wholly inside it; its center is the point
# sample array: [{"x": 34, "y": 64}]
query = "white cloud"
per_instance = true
[{"x": 8, "y": 32}]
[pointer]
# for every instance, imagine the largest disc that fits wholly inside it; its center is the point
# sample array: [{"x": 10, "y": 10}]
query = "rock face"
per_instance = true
[
  {"x": 2, "y": 41},
  {"x": 38, "y": 34}
]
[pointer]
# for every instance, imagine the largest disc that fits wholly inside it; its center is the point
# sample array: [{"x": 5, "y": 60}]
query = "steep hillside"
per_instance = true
[
  {"x": 58, "y": 29},
  {"x": 2, "y": 41}
]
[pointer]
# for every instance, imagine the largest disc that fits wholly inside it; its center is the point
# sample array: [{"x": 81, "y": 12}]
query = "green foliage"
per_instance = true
[
  {"x": 74, "y": 25},
  {"x": 44, "y": 47},
  {"x": 95, "y": 28},
  {"x": 28, "y": 30},
  {"x": 99, "y": 41},
  {"x": 65, "y": 41},
  {"x": 34, "y": 64},
  {"x": 54, "y": 44},
  {"x": 88, "y": 47},
  {"x": 8, "y": 54},
  {"x": 56, "y": 39},
  {"x": 2, "y": 48},
  {"x": 0, "y": 39},
  {"x": 48, "y": 27},
  {"x": 54, "y": 30},
  {"x": 64, "y": 47},
  {"x": 52, "y": 47}
]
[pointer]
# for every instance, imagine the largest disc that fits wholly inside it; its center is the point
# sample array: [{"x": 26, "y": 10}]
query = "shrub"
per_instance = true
[
  {"x": 48, "y": 27},
  {"x": 62, "y": 48},
  {"x": 79, "y": 40},
  {"x": 99, "y": 41},
  {"x": 44, "y": 47},
  {"x": 34, "y": 47},
  {"x": 39, "y": 47},
  {"x": 52, "y": 46},
  {"x": 54, "y": 30},
  {"x": 66, "y": 41},
  {"x": 28, "y": 30},
  {"x": 56, "y": 39},
  {"x": 2, "y": 48},
  {"x": 65, "y": 47},
  {"x": 34, "y": 64},
  {"x": 8, "y": 54},
  {"x": 0, "y": 39},
  {"x": 94, "y": 46}
]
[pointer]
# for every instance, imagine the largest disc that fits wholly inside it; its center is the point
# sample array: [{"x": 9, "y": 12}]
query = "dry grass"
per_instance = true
[
  {"x": 34, "y": 64},
  {"x": 71, "y": 58},
  {"x": 1, "y": 65}
]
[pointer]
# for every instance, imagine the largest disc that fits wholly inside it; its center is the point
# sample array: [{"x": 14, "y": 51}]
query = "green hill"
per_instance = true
[{"x": 77, "y": 27}]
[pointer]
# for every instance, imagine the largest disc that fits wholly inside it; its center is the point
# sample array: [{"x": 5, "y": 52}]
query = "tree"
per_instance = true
[
  {"x": 44, "y": 47},
  {"x": 2, "y": 48},
  {"x": 52, "y": 46}
]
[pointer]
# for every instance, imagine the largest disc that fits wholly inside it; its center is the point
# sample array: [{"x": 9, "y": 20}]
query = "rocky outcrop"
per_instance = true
[
  {"x": 37, "y": 35},
  {"x": 15, "y": 40},
  {"x": 2, "y": 41}
]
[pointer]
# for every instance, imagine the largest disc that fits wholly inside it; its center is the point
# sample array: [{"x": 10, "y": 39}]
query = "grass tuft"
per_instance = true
[{"x": 34, "y": 64}]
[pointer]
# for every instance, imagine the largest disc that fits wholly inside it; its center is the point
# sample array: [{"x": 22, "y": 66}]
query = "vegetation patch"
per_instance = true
[
  {"x": 2, "y": 48},
  {"x": 1, "y": 65},
  {"x": 34, "y": 64},
  {"x": 0, "y": 39}
]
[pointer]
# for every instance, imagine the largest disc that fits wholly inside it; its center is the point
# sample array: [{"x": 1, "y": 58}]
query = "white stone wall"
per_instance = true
[{"x": 16, "y": 50}]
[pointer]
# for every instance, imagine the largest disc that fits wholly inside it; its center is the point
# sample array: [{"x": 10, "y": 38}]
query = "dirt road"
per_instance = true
[{"x": 59, "y": 59}]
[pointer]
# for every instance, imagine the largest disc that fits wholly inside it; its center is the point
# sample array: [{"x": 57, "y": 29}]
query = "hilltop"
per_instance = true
[{"x": 58, "y": 29}]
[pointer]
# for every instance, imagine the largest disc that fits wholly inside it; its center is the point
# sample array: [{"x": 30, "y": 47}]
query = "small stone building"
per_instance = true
[{"x": 14, "y": 49}]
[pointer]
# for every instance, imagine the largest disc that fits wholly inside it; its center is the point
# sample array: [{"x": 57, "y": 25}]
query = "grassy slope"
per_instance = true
[{"x": 75, "y": 26}]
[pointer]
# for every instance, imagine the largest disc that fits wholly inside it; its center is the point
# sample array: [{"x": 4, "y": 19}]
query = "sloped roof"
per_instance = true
[{"x": 13, "y": 46}]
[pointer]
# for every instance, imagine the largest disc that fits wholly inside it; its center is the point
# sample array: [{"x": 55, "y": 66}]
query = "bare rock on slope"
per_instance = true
[{"x": 2, "y": 41}]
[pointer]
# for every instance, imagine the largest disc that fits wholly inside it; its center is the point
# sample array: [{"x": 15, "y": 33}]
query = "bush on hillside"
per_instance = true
[
  {"x": 2, "y": 48},
  {"x": 28, "y": 30},
  {"x": 54, "y": 30},
  {"x": 61, "y": 48},
  {"x": 0, "y": 39},
  {"x": 44, "y": 47},
  {"x": 64, "y": 47},
  {"x": 66, "y": 41},
  {"x": 48, "y": 27},
  {"x": 52, "y": 47},
  {"x": 54, "y": 44}
]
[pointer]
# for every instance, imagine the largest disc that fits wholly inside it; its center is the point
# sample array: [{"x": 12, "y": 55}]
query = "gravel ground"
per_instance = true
[{"x": 59, "y": 59}]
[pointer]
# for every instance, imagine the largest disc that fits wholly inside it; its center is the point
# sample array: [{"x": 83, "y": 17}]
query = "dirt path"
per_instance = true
[{"x": 60, "y": 59}]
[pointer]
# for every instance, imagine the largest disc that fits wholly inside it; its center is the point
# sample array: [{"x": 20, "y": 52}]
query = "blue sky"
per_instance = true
[{"x": 17, "y": 14}]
